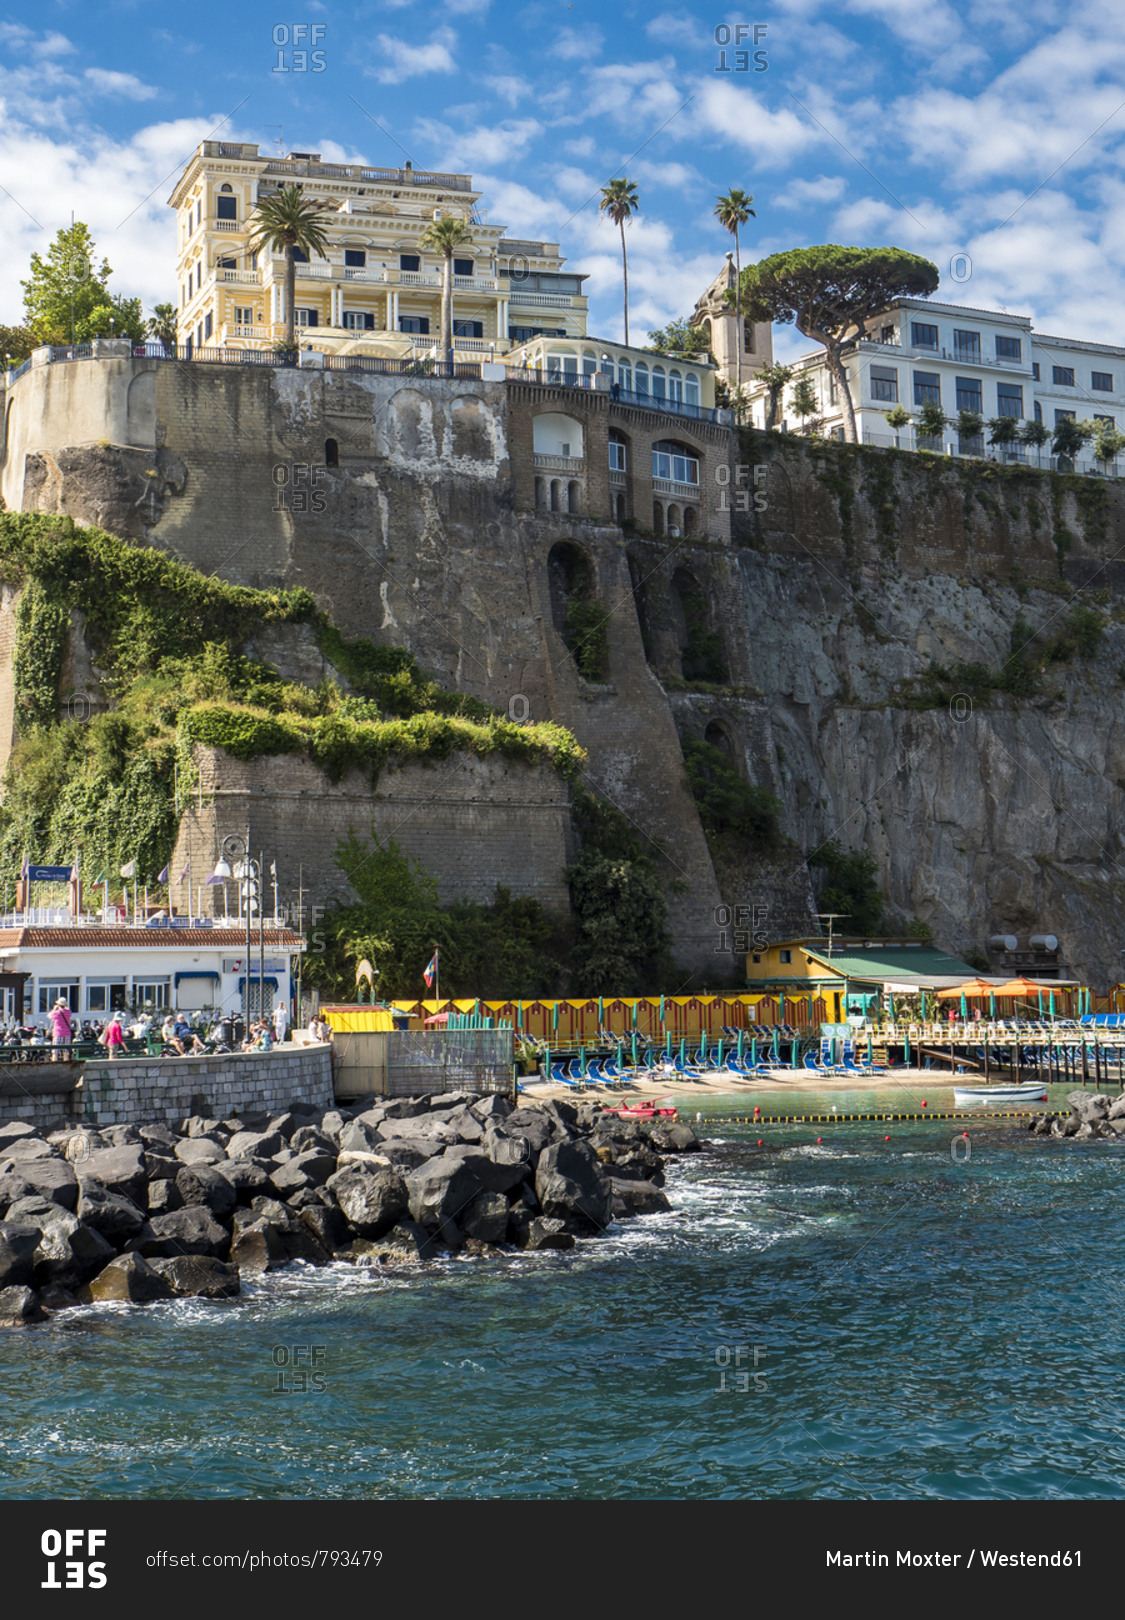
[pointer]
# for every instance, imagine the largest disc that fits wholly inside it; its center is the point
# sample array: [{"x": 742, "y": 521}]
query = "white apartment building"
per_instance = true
[{"x": 919, "y": 351}]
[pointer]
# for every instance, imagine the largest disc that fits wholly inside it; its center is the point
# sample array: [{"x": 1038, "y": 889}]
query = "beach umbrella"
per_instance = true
[
  {"x": 1017, "y": 987},
  {"x": 554, "y": 1015},
  {"x": 964, "y": 1004},
  {"x": 662, "y": 1009}
]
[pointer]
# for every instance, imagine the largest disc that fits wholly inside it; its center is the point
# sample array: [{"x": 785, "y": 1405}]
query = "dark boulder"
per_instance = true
[
  {"x": 258, "y": 1246},
  {"x": 572, "y": 1186},
  {"x": 405, "y": 1107},
  {"x": 673, "y": 1137},
  {"x": 199, "y": 1277},
  {"x": 163, "y": 1196},
  {"x": 491, "y": 1108},
  {"x": 69, "y": 1253},
  {"x": 371, "y": 1201},
  {"x": 162, "y": 1166},
  {"x": 443, "y": 1100},
  {"x": 43, "y": 1178},
  {"x": 117, "y": 1219},
  {"x": 204, "y": 1184},
  {"x": 530, "y": 1125},
  {"x": 12, "y": 1129},
  {"x": 486, "y": 1218},
  {"x": 333, "y": 1122},
  {"x": 302, "y": 1243},
  {"x": 358, "y": 1137},
  {"x": 200, "y": 1150},
  {"x": 119, "y": 1170},
  {"x": 57, "y": 1298},
  {"x": 311, "y": 1169},
  {"x": 248, "y": 1178},
  {"x": 442, "y": 1188},
  {"x": 310, "y": 1136},
  {"x": 548, "y": 1232},
  {"x": 24, "y": 1148},
  {"x": 19, "y": 1307},
  {"x": 129, "y": 1278},
  {"x": 255, "y": 1144},
  {"x": 160, "y": 1138},
  {"x": 642, "y": 1164},
  {"x": 18, "y": 1243},
  {"x": 640, "y": 1197},
  {"x": 286, "y": 1123},
  {"x": 197, "y": 1126},
  {"x": 406, "y": 1155},
  {"x": 193, "y": 1231},
  {"x": 327, "y": 1225}
]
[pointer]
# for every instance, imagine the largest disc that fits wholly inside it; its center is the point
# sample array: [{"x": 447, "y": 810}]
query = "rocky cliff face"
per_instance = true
[{"x": 987, "y": 812}]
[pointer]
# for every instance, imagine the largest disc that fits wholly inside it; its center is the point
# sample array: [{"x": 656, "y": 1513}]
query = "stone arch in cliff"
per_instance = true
[
  {"x": 411, "y": 430},
  {"x": 719, "y": 735},
  {"x": 702, "y": 652},
  {"x": 140, "y": 409}
]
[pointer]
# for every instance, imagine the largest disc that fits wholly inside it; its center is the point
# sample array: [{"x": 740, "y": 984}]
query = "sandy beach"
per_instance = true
[{"x": 723, "y": 1083}]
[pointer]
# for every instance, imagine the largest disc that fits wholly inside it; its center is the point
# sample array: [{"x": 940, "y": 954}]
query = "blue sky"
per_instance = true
[{"x": 993, "y": 129}]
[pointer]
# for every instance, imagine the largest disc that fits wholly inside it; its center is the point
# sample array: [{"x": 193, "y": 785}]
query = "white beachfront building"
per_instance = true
[
  {"x": 100, "y": 968},
  {"x": 919, "y": 351}
]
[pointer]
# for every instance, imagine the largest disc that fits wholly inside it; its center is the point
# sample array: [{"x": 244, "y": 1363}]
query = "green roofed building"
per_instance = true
[{"x": 848, "y": 973}]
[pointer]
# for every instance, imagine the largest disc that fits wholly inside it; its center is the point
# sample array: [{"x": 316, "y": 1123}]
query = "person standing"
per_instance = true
[
  {"x": 112, "y": 1037},
  {"x": 281, "y": 1022},
  {"x": 62, "y": 1029}
]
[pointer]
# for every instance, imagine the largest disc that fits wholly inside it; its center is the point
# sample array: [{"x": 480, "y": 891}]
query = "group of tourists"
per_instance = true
[{"x": 178, "y": 1036}]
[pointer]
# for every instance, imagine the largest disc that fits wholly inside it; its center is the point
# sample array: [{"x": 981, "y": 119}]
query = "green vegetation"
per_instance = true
[
  {"x": 587, "y": 634},
  {"x": 702, "y": 657},
  {"x": 284, "y": 222},
  {"x": 829, "y": 293},
  {"x": 850, "y": 885},
  {"x": 731, "y": 809},
  {"x": 1031, "y": 654},
  {"x": 504, "y": 948},
  {"x": 67, "y": 296},
  {"x": 681, "y": 339},
  {"x": 775, "y": 377},
  {"x": 622, "y": 917},
  {"x": 167, "y": 643}
]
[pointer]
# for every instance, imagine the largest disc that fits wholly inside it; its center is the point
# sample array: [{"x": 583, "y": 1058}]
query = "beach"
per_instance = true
[{"x": 720, "y": 1082}]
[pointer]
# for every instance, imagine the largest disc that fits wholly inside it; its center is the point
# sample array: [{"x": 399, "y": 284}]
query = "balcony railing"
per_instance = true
[
  {"x": 542, "y": 300},
  {"x": 668, "y": 486},
  {"x": 341, "y": 171},
  {"x": 248, "y": 278},
  {"x": 418, "y": 278},
  {"x": 227, "y": 225},
  {"x": 566, "y": 464},
  {"x": 618, "y": 476}
]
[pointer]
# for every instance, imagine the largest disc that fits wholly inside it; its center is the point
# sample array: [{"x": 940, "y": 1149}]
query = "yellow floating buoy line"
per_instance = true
[{"x": 842, "y": 1119}]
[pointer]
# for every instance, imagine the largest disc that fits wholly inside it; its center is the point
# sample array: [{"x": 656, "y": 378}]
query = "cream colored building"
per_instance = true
[
  {"x": 720, "y": 320},
  {"x": 378, "y": 292}
]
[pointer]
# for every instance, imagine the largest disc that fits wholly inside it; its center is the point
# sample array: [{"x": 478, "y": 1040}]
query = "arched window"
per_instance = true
[
  {"x": 589, "y": 362},
  {"x": 225, "y": 187},
  {"x": 574, "y": 496},
  {"x": 556, "y": 495},
  {"x": 659, "y": 383},
  {"x": 690, "y": 520},
  {"x": 540, "y": 494},
  {"x": 676, "y": 463},
  {"x": 657, "y": 518},
  {"x": 554, "y": 434},
  {"x": 331, "y": 453},
  {"x": 675, "y": 522},
  {"x": 676, "y": 387},
  {"x": 625, "y": 375},
  {"x": 691, "y": 389},
  {"x": 642, "y": 377}
]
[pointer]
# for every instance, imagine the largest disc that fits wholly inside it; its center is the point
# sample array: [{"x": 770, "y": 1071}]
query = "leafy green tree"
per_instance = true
[
  {"x": 830, "y": 293},
  {"x": 67, "y": 297},
  {"x": 803, "y": 401},
  {"x": 1035, "y": 434},
  {"x": 622, "y": 915},
  {"x": 162, "y": 326},
  {"x": 282, "y": 223},
  {"x": 729, "y": 806},
  {"x": 774, "y": 377},
  {"x": 970, "y": 425},
  {"x": 850, "y": 885},
  {"x": 444, "y": 236},
  {"x": 620, "y": 202},
  {"x": 679, "y": 338},
  {"x": 1070, "y": 436},
  {"x": 931, "y": 420},
  {"x": 732, "y": 211},
  {"x": 898, "y": 417},
  {"x": 1108, "y": 443},
  {"x": 16, "y": 343},
  {"x": 1004, "y": 430}
]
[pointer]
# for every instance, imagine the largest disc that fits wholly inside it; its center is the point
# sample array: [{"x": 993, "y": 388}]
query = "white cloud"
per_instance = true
[
  {"x": 482, "y": 147},
  {"x": 127, "y": 85},
  {"x": 744, "y": 120},
  {"x": 809, "y": 193},
  {"x": 678, "y": 29},
  {"x": 405, "y": 61},
  {"x": 577, "y": 45}
]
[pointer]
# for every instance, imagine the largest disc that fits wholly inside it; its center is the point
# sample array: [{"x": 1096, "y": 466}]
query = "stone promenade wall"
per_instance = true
[{"x": 149, "y": 1091}]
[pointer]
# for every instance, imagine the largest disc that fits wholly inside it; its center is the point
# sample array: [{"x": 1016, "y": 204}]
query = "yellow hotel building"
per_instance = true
[{"x": 378, "y": 292}]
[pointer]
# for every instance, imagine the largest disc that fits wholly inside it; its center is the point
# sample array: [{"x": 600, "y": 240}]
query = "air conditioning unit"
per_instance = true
[
  {"x": 1044, "y": 942},
  {"x": 1003, "y": 942}
]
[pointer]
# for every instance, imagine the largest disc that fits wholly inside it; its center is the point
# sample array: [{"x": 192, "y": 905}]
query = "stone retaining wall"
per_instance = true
[{"x": 140, "y": 1091}]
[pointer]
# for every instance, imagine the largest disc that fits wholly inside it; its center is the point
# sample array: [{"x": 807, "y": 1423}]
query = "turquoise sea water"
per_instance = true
[{"x": 925, "y": 1324}]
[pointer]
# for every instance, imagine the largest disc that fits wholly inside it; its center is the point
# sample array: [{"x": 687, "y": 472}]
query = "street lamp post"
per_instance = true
[{"x": 249, "y": 874}]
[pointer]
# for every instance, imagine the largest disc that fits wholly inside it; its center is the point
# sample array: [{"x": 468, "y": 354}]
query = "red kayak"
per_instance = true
[{"x": 648, "y": 1110}]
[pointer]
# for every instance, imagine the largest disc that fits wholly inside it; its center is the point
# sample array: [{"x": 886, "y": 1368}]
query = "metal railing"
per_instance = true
[
  {"x": 657, "y": 402},
  {"x": 550, "y": 379}
]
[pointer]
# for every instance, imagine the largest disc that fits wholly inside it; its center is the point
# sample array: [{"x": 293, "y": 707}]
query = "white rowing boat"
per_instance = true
[{"x": 1026, "y": 1091}]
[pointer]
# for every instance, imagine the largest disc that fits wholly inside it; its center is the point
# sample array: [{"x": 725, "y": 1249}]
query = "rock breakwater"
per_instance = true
[
  {"x": 1091, "y": 1114},
  {"x": 157, "y": 1212}
]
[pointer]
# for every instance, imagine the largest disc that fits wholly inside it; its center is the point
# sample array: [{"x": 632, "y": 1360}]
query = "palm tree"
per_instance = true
[
  {"x": 443, "y": 236},
  {"x": 732, "y": 211},
  {"x": 620, "y": 202},
  {"x": 161, "y": 326},
  {"x": 286, "y": 222}
]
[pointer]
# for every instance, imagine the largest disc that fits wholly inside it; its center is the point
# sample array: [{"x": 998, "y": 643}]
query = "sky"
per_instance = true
[{"x": 988, "y": 136}]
